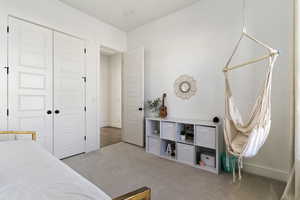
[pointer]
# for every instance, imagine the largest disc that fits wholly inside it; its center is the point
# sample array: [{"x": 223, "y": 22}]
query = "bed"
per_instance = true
[{"x": 28, "y": 172}]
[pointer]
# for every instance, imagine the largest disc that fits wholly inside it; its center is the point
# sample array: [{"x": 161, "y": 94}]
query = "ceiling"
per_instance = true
[{"x": 128, "y": 14}]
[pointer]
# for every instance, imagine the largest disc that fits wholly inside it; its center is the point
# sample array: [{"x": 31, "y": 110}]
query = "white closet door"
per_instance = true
[
  {"x": 3, "y": 99},
  {"x": 133, "y": 97},
  {"x": 3, "y": 91},
  {"x": 69, "y": 96},
  {"x": 30, "y": 80}
]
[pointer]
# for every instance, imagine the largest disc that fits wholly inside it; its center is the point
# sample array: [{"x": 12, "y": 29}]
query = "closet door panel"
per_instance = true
[
  {"x": 30, "y": 80},
  {"x": 69, "y": 96},
  {"x": 3, "y": 94}
]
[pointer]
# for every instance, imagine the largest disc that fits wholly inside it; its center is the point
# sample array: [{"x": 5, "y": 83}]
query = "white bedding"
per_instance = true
[{"x": 27, "y": 172}]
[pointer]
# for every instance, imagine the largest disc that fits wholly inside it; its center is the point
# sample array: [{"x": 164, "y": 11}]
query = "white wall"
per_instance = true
[
  {"x": 295, "y": 187},
  {"x": 104, "y": 91},
  {"x": 111, "y": 90},
  {"x": 115, "y": 64},
  {"x": 57, "y": 15},
  {"x": 198, "y": 41}
]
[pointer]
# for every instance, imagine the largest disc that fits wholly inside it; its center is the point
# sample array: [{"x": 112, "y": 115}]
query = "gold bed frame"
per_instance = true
[
  {"x": 140, "y": 194},
  {"x": 32, "y": 133}
]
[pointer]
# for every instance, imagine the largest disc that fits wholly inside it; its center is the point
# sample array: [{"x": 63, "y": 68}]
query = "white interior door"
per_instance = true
[
  {"x": 30, "y": 80},
  {"x": 133, "y": 97},
  {"x": 69, "y": 95}
]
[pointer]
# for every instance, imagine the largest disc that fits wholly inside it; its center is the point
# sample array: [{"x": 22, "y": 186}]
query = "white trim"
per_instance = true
[
  {"x": 115, "y": 124},
  {"x": 110, "y": 124},
  {"x": 266, "y": 171},
  {"x": 99, "y": 102},
  {"x": 104, "y": 124},
  {"x": 296, "y": 186}
]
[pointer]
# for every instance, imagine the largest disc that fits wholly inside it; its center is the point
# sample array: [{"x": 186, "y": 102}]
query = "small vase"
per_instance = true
[{"x": 182, "y": 137}]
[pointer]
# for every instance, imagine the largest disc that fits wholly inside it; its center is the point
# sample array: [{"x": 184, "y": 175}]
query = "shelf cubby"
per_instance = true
[
  {"x": 205, "y": 157},
  {"x": 171, "y": 154},
  {"x": 153, "y": 128},
  {"x": 188, "y": 130}
]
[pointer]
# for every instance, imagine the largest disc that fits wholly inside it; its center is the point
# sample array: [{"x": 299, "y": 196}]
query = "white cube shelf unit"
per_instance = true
[{"x": 200, "y": 147}]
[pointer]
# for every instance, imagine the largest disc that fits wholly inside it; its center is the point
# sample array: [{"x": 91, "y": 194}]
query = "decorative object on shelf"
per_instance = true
[
  {"x": 156, "y": 132},
  {"x": 182, "y": 135},
  {"x": 202, "y": 163},
  {"x": 173, "y": 149},
  {"x": 163, "y": 113},
  {"x": 208, "y": 160},
  {"x": 216, "y": 120},
  {"x": 189, "y": 132},
  {"x": 169, "y": 150},
  {"x": 153, "y": 106},
  {"x": 185, "y": 87}
]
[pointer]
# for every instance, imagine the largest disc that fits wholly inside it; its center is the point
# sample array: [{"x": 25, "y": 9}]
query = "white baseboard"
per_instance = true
[
  {"x": 115, "y": 125},
  {"x": 105, "y": 124},
  {"x": 266, "y": 172},
  {"x": 111, "y": 124}
]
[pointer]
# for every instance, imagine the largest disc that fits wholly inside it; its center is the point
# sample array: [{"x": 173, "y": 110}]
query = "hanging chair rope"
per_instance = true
[{"x": 246, "y": 139}]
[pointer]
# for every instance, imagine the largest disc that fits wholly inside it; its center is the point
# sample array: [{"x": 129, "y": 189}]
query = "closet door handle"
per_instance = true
[
  {"x": 56, "y": 111},
  {"x": 49, "y": 112}
]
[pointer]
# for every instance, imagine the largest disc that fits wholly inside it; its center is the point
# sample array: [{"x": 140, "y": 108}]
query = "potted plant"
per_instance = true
[{"x": 153, "y": 106}]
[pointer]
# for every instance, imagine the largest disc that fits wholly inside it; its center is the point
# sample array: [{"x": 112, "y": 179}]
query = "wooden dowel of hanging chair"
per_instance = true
[{"x": 229, "y": 68}]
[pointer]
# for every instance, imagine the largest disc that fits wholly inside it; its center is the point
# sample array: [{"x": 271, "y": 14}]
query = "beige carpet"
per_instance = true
[{"x": 120, "y": 168}]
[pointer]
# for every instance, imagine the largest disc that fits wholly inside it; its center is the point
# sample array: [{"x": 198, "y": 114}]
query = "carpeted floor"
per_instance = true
[{"x": 120, "y": 168}]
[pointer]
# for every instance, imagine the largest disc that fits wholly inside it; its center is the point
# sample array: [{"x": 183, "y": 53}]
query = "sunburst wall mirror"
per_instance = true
[{"x": 185, "y": 87}]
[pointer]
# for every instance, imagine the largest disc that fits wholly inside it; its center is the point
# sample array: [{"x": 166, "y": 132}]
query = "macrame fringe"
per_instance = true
[{"x": 240, "y": 167}]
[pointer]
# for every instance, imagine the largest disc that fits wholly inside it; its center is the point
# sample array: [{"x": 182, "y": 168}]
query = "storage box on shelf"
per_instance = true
[
  {"x": 193, "y": 142},
  {"x": 153, "y": 145},
  {"x": 168, "y": 131},
  {"x": 186, "y": 153}
]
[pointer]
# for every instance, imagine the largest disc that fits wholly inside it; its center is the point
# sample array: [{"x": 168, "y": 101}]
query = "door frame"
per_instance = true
[
  {"x": 99, "y": 93},
  {"x": 122, "y": 93},
  {"x": 6, "y": 60}
]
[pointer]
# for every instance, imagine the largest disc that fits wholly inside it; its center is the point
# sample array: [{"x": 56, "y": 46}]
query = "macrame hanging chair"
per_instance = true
[{"x": 244, "y": 139}]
